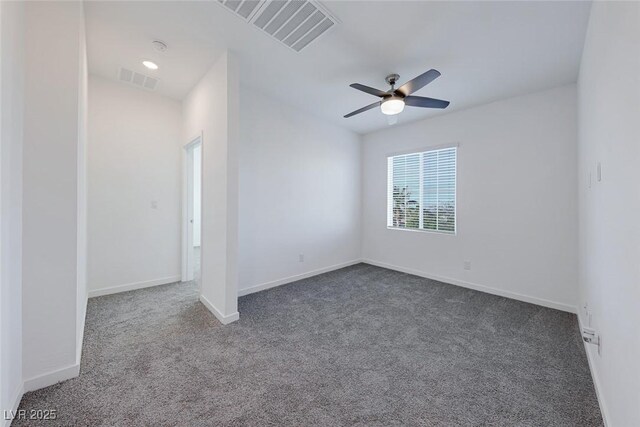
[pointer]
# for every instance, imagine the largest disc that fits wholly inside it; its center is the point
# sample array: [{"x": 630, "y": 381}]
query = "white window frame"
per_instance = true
[{"x": 421, "y": 151}]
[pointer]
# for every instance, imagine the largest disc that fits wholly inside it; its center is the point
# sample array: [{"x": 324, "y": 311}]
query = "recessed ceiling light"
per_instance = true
[{"x": 150, "y": 65}]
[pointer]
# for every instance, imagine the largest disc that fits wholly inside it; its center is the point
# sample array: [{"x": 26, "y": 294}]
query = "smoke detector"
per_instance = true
[{"x": 159, "y": 45}]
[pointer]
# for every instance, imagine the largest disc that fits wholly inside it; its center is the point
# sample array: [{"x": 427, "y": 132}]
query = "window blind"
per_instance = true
[{"x": 422, "y": 190}]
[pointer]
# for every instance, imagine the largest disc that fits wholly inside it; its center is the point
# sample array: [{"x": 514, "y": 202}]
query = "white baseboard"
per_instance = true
[
  {"x": 482, "y": 288},
  {"x": 51, "y": 378},
  {"x": 225, "y": 320},
  {"x": 133, "y": 286},
  {"x": 279, "y": 282},
  {"x": 17, "y": 397},
  {"x": 80, "y": 340},
  {"x": 594, "y": 374}
]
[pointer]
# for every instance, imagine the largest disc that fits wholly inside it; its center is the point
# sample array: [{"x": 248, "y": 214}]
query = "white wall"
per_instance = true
[
  {"x": 81, "y": 254},
  {"x": 133, "y": 165},
  {"x": 11, "y": 121},
  {"x": 299, "y": 193},
  {"x": 516, "y": 199},
  {"x": 609, "y": 133},
  {"x": 211, "y": 108},
  {"x": 51, "y": 200},
  {"x": 197, "y": 195}
]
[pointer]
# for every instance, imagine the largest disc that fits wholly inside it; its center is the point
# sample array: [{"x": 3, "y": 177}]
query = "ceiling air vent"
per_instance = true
[
  {"x": 296, "y": 23},
  {"x": 138, "y": 79},
  {"x": 244, "y": 8}
]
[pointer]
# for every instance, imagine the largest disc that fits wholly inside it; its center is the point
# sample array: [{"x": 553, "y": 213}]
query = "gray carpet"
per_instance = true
[{"x": 361, "y": 346}]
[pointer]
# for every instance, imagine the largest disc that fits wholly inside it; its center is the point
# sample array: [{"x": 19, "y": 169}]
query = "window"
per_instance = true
[{"x": 422, "y": 191}]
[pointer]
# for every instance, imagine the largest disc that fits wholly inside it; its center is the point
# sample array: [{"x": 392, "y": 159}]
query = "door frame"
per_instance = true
[{"x": 187, "y": 206}]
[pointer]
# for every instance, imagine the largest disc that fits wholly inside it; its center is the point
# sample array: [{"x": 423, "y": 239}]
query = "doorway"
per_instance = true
[{"x": 192, "y": 209}]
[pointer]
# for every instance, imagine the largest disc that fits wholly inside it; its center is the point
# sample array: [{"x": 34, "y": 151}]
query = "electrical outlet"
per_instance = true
[
  {"x": 467, "y": 265},
  {"x": 590, "y": 336},
  {"x": 301, "y": 258},
  {"x": 154, "y": 204}
]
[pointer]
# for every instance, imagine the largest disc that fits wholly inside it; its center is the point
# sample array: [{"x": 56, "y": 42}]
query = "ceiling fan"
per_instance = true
[{"x": 394, "y": 100}]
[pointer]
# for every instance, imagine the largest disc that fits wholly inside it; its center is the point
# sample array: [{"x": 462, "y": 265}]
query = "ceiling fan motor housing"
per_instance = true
[{"x": 392, "y": 104}]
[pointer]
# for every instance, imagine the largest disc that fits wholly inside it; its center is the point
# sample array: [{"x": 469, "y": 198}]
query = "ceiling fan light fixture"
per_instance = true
[{"x": 392, "y": 106}]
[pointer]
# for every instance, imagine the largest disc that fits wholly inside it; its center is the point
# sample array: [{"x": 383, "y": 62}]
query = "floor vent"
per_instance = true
[
  {"x": 295, "y": 23},
  {"x": 138, "y": 79}
]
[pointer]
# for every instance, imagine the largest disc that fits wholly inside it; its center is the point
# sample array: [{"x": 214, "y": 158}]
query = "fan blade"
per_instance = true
[
  {"x": 421, "y": 101},
  {"x": 419, "y": 82},
  {"x": 363, "y": 109},
  {"x": 370, "y": 90}
]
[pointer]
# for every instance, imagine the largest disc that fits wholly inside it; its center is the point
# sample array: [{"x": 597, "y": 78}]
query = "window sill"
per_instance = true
[{"x": 421, "y": 230}]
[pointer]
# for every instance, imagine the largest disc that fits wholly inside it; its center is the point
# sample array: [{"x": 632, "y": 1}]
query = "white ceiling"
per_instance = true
[{"x": 484, "y": 50}]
